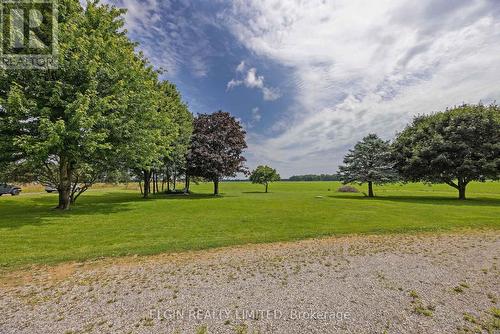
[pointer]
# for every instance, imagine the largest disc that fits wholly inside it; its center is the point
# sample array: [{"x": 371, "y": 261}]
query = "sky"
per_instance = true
[{"x": 309, "y": 78}]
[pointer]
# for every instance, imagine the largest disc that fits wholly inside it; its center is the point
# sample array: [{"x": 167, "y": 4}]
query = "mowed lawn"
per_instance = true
[{"x": 113, "y": 222}]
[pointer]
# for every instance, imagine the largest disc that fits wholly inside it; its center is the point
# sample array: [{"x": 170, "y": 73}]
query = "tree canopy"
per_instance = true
[
  {"x": 369, "y": 162},
  {"x": 175, "y": 162},
  {"x": 216, "y": 147},
  {"x": 100, "y": 110},
  {"x": 455, "y": 147},
  {"x": 165, "y": 135},
  {"x": 264, "y": 175}
]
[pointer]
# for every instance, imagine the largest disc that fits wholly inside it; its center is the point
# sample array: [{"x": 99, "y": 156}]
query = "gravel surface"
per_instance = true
[{"x": 446, "y": 283}]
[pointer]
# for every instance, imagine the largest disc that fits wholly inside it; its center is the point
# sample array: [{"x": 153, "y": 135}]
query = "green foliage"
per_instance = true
[
  {"x": 174, "y": 163},
  {"x": 369, "y": 162},
  {"x": 455, "y": 147},
  {"x": 165, "y": 135},
  {"x": 103, "y": 109},
  {"x": 264, "y": 175}
]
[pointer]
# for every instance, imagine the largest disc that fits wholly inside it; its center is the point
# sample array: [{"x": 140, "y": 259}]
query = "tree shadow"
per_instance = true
[
  {"x": 191, "y": 196},
  {"x": 433, "y": 200},
  {"x": 40, "y": 209}
]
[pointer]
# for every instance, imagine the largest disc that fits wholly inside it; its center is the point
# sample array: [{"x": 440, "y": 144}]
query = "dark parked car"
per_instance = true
[
  {"x": 53, "y": 189},
  {"x": 9, "y": 189},
  {"x": 50, "y": 189}
]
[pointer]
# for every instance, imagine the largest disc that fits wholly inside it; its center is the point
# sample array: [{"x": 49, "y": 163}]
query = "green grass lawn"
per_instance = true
[{"x": 119, "y": 222}]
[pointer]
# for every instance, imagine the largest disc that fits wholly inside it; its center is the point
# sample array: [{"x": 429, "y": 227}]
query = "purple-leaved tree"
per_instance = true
[{"x": 216, "y": 148}]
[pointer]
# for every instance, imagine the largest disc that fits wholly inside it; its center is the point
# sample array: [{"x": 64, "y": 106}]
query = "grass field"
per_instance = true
[{"x": 113, "y": 222}]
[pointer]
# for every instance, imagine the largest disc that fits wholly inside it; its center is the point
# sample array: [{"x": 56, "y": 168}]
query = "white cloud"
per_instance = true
[
  {"x": 271, "y": 94},
  {"x": 233, "y": 83},
  {"x": 365, "y": 66},
  {"x": 167, "y": 35},
  {"x": 256, "y": 116},
  {"x": 241, "y": 66},
  {"x": 253, "y": 80}
]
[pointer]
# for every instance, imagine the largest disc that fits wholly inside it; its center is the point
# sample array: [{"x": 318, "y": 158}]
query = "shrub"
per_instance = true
[{"x": 347, "y": 189}]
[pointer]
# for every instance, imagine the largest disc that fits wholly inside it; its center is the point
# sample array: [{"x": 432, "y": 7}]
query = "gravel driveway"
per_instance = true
[{"x": 446, "y": 283}]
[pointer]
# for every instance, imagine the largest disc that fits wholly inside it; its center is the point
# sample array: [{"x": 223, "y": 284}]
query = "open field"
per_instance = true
[{"x": 114, "y": 222}]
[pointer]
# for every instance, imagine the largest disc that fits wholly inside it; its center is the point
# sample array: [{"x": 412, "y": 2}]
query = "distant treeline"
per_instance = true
[{"x": 312, "y": 177}]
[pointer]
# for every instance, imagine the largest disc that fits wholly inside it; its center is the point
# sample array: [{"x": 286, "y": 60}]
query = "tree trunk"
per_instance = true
[
  {"x": 370, "y": 189},
  {"x": 186, "y": 185},
  {"x": 147, "y": 183},
  {"x": 461, "y": 189},
  {"x": 168, "y": 181},
  {"x": 266, "y": 187},
  {"x": 153, "y": 181},
  {"x": 64, "y": 199},
  {"x": 156, "y": 183},
  {"x": 461, "y": 193},
  {"x": 174, "y": 179},
  {"x": 64, "y": 187},
  {"x": 216, "y": 187}
]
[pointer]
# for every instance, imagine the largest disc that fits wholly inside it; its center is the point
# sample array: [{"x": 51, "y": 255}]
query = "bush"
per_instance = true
[{"x": 347, "y": 189}]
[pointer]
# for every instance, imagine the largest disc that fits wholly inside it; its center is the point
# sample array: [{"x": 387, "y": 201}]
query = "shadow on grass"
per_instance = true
[
  {"x": 191, "y": 196},
  {"x": 41, "y": 209},
  {"x": 434, "y": 200}
]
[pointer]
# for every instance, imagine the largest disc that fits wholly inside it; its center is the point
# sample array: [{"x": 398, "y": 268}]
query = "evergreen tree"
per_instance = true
[{"x": 369, "y": 162}]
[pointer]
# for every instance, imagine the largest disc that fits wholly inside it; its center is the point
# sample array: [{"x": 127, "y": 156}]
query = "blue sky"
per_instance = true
[{"x": 308, "y": 79}]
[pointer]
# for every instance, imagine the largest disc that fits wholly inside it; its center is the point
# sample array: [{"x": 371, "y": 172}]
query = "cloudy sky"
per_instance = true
[{"x": 309, "y": 78}]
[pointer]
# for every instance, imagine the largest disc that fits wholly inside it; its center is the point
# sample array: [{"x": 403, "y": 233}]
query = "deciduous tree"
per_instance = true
[
  {"x": 175, "y": 161},
  {"x": 455, "y": 147},
  {"x": 216, "y": 147},
  {"x": 264, "y": 175},
  {"x": 96, "y": 108},
  {"x": 166, "y": 135}
]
